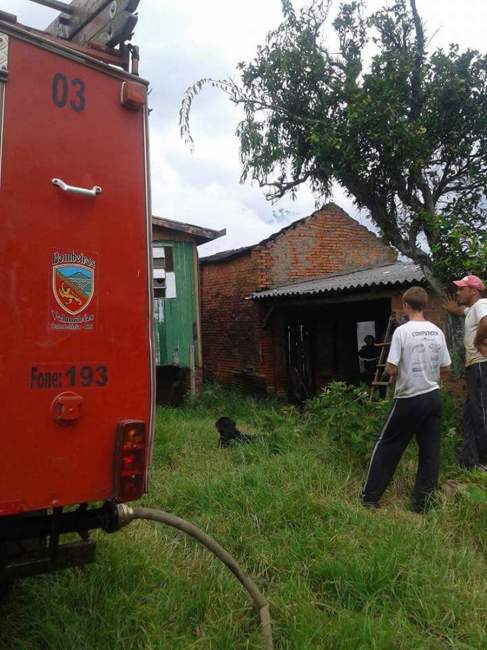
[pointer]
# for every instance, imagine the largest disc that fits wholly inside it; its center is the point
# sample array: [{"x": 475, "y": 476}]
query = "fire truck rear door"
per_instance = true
[{"x": 75, "y": 322}]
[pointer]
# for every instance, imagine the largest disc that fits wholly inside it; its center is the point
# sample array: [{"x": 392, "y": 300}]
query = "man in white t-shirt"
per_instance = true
[
  {"x": 474, "y": 308},
  {"x": 418, "y": 352}
]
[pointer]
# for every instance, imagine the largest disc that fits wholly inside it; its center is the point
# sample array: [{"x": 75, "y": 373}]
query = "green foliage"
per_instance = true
[
  {"x": 452, "y": 432},
  {"x": 219, "y": 401},
  {"x": 404, "y": 131},
  {"x": 476, "y": 494},
  {"x": 346, "y": 416},
  {"x": 337, "y": 576},
  {"x": 279, "y": 428},
  {"x": 460, "y": 248}
]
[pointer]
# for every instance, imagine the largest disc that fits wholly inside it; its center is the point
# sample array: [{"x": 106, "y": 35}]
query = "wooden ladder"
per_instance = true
[{"x": 381, "y": 365}]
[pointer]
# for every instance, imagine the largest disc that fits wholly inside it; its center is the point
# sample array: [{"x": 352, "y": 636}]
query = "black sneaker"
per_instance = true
[
  {"x": 418, "y": 508},
  {"x": 422, "y": 505},
  {"x": 371, "y": 505}
]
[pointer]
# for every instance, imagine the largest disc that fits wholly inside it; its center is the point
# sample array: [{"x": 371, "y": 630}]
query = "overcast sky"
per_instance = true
[{"x": 184, "y": 40}]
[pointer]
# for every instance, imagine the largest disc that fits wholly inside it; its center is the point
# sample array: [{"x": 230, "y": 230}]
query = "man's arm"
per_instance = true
[
  {"x": 480, "y": 341},
  {"x": 395, "y": 354},
  {"x": 391, "y": 369},
  {"x": 444, "y": 372},
  {"x": 481, "y": 331}
]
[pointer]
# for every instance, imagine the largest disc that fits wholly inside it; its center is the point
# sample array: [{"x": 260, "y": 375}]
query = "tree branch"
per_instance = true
[
  {"x": 443, "y": 182},
  {"x": 276, "y": 107},
  {"x": 285, "y": 186},
  {"x": 416, "y": 91}
]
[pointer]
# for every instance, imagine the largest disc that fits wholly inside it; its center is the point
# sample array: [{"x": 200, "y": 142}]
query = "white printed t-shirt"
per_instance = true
[
  {"x": 473, "y": 316},
  {"x": 418, "y": 349}
]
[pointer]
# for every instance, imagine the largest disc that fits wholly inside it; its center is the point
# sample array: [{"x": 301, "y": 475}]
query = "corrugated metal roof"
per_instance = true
[
  {"x": 200, "y": 235},
  {"x": 392, "y": 274}
]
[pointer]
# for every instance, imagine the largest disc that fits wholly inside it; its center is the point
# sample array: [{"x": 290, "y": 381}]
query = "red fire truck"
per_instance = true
[{"x": 76, "y": 371}]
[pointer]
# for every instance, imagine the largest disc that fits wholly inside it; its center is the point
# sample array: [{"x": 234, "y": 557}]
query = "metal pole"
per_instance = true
[{"x": 58, "y": 6}]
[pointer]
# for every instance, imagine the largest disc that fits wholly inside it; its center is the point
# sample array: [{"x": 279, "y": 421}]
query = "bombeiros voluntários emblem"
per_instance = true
[{"x": 73, "y": 281}]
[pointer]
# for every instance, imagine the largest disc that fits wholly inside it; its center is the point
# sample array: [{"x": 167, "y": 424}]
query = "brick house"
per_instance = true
[{"x": 288, "y": 314}]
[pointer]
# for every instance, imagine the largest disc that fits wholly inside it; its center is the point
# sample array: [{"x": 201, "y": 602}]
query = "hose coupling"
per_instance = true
[{"x": 125, "y": 514}]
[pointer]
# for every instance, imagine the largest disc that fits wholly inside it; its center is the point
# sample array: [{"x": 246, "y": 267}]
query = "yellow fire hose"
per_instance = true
[{"x": 127, "y": 515}]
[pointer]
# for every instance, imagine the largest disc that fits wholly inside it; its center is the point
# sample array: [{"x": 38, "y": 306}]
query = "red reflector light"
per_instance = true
[
  {"x": 130, "y": 461},
  {"x": 134, "y": 95}
]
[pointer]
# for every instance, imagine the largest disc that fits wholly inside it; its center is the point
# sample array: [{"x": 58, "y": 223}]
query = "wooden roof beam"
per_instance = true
[{"x": 63, "y": 7}]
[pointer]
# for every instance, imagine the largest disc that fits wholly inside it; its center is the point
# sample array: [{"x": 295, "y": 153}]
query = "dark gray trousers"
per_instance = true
[
  {"x": 419, "y": 416},
  {"x": 474, "y": 450}
]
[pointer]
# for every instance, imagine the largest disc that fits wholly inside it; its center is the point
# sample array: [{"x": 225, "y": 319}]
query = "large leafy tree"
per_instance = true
[{"x": 402, "y": 129}]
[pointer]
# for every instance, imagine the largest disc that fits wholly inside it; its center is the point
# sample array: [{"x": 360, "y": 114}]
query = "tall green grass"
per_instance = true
[{"x": 337, "y": 576}]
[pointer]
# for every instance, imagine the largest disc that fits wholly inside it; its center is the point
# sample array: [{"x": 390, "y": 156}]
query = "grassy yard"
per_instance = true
[{"x": 337, "y": 576}]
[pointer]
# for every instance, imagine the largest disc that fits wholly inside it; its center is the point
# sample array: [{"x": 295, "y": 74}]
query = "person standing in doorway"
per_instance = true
[
  {"x": 417, "y": 354},
  {"x": 471, "y": 305},
  {"x": 369, "y": 353}
]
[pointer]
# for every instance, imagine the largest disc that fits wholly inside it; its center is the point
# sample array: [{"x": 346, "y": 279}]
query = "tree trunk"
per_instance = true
[
  {"x": 454, "y": 339},
  {"x": 454, "y": 326}
]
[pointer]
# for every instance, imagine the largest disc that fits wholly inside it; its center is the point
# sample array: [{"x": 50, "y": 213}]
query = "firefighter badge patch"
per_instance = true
[{"x": 73, "y": 287}]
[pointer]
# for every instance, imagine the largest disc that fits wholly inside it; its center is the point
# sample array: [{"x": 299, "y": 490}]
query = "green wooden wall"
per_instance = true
[{"x": 175, "y": 317}]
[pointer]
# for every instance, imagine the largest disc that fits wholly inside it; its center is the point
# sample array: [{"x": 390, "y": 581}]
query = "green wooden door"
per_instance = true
[{"x": 174, "y": 303}]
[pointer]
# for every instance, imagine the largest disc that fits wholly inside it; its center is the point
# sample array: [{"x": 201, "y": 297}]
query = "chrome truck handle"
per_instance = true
[{"x": 72, "y": 189}]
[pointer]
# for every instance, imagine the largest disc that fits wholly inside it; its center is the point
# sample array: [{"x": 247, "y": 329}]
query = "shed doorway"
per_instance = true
[
  {"x": 324, "y": 341},
  {"x": 301, "y": 385}
]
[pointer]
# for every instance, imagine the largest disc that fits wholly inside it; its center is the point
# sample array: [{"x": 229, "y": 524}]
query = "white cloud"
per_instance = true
[{"x": 184, "y": 40}]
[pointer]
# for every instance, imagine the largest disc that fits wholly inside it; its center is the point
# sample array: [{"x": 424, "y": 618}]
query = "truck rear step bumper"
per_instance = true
[{"x": 67, "y": 556}]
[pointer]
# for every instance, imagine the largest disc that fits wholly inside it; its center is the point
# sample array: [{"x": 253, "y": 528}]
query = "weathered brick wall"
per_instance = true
[
  {"x": 241, "y": 343},
  {"x": 434, "y": 312},
  {"x": 230, "y": 323},
  {"x": 329, "y": 241}
]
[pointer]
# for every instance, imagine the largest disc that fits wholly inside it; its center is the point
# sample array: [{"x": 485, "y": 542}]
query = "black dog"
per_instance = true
[{"x": 229, "y": 433}]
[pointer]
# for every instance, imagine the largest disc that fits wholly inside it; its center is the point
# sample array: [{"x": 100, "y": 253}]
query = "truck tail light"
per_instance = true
[
  {"x": 134, "y": 95},
  {"x": 130, "y": 460}
]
